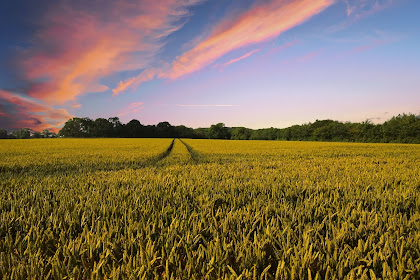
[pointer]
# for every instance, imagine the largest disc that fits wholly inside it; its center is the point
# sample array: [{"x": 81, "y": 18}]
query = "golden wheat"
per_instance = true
[{"x": 208, "y": 209}]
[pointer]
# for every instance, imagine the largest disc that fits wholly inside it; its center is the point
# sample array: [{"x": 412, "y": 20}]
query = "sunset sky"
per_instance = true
[{"x": 267, "y": 63}]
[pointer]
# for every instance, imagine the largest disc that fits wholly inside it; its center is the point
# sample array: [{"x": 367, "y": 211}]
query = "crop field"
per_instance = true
[{"x": 208, "y": 209}]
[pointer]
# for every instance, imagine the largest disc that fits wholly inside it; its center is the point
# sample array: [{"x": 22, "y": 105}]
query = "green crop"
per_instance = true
[{"x": 208, "y": 209}]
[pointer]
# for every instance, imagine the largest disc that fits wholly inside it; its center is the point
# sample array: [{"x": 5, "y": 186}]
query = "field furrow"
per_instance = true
[{"x": 80, "y": 155}]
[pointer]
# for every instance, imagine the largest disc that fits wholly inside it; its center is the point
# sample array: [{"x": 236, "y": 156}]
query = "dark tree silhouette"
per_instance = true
[
  {"x": 165, "y": 130},
  {"x": 3, "y": 134},
  {"x": 403, "y": 128},
  {"x": 134, "y": 129}
]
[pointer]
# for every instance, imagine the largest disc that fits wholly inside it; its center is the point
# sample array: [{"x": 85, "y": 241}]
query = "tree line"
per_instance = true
[{"x": 403, "y": 128}]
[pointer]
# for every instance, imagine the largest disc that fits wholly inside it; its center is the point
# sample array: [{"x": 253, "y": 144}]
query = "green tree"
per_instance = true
[
  {"x": 3, "y": 134},
  {"x": 134, "y": 129},
  {"x": 24, "y": 133},
  {"x": 165, "y": 130},
  {"x": 46, "y": 133},
  {"x": 102, "y": 128},
  {"x": 181, "y": 131},
  {"x": 402, "y": 128},
  {"x": 240, "y": 133},
  {"x": 218, "y": 131},
  {"x": 77, "y": 127},
  {"x": 334, "y": 131},
  {"x": 118, "y": 128},
  {"x": 37, "y": 134},
  {"x": 201, "y": 133}
]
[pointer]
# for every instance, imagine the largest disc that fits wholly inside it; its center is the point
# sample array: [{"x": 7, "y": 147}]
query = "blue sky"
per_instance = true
[{"x": 271, "y": 63}]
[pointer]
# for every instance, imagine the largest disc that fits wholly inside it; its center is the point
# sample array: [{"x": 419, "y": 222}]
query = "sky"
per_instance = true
[{"x": 252, "y": 63}]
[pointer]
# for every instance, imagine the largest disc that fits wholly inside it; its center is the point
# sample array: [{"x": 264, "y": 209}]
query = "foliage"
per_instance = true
[
  {"x": 3, "y": 134},
  {"x": 207, "y": 209},
  {"x": 240, "y": 133},
  {"x": 23, "y": 133},
  {"x": 400, "y": 129},
  {"x": 218, "y": 131}
]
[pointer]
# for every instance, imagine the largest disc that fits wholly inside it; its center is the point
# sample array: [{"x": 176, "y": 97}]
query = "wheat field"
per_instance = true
[{"x": 208, "y": 209}]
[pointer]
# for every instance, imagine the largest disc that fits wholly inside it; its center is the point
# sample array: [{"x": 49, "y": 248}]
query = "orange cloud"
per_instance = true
[
  {"x": 262, "y": 22},
  {"x": 145, "y": 76},
  {"x": 76, "y": 48},
  {"x": 20, "y": 112}
]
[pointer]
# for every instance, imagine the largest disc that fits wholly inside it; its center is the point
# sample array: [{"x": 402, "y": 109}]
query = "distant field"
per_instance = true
[{"x": 208, "y": 209}]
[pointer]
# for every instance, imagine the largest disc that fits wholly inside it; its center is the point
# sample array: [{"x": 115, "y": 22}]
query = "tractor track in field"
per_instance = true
[
  {"x": 70, "y": 170},
  {"x": 165, "y": 154},
  {"x": 195, "y": 156}
]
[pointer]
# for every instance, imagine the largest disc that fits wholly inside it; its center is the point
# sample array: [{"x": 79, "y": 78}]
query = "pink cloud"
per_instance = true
[
  {"x": 206, "y": 105},
  {"x": 145, "y": 76},
  {"x": 76, "y": 106},
  {"x": 307, "y": 57},
  {"x": 240, "y": 58},
  {"x": 76, "y": 48},
  {"x": 133, "y": 107},
  {"x": 366, "y": 47},
  {"x": 282, "y": 47},
  {"x": 260, "y": 23},
  {"x": 23, "y": 112}
]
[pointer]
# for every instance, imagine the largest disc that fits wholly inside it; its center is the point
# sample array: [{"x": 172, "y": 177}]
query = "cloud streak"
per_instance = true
[
  {"x": 240, "y": 58},
  {"x": 360, "y": 9},
  {"x": 78, "y": 46},
  {"x": 264, "y": 21},
  {"x": 206, "y": 105},
  {"x": 145, "y": 76},
  {"x": 260, "y": 23},
  {"x": 133, "y": 107},
  {"x": 19, "y": 112}
]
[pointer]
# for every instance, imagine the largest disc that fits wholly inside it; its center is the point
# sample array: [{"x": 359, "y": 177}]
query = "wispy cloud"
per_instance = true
[
  {"x": 206, "y": 105},
  {"x": 76, "y": 47},
  {"x": 240, "y": 58},
  {"x": 308, "y": 56},
  {"x": 263, "y": 21},
  {"x": 145, "y": 76},
  {"x": 358, "y": 10},
  {"x": 19, "y": 112},
  {"x": 275, "y": 49},
  {"x": 365, "y": 47},
  {"x": 133, "y": 107}
]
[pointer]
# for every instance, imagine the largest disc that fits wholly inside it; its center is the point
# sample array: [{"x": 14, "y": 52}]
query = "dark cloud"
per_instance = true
[{"x": 18, "y": 112}]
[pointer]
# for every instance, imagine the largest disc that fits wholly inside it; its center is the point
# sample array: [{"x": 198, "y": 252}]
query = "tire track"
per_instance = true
[
  {"x": 166, "y": 153},
  {"x": 195, "y": 156},
  {"x": 62, "y": 169}
]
